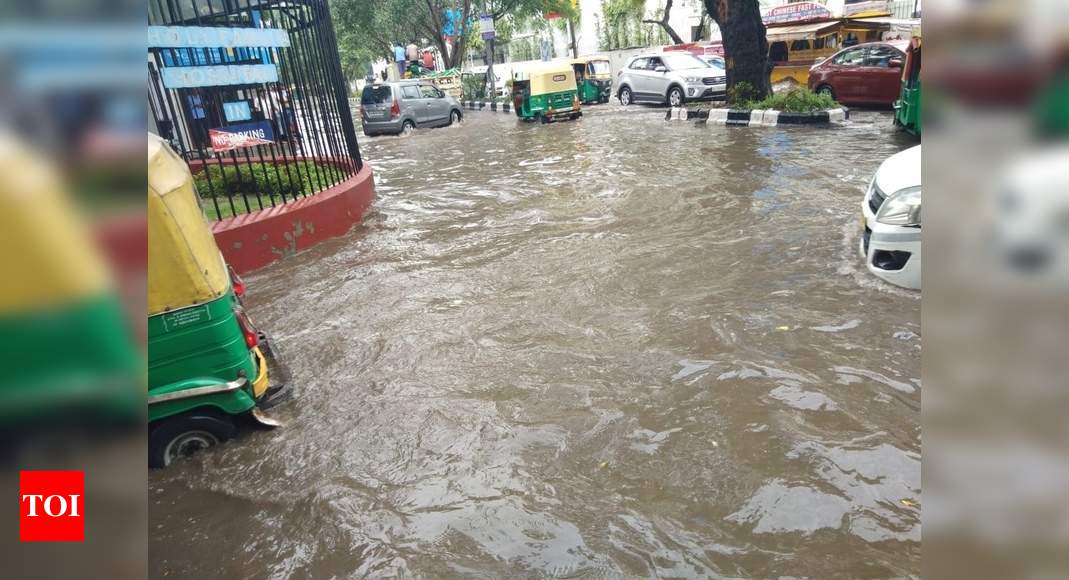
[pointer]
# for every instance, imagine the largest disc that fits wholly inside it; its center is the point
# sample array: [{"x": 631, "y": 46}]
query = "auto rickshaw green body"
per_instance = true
[
  {"x": 593, "y": 79},
  {"x": 908, "y": 105},
  {"x": 206, "y": 363},
  {"x": 546, "y": 94},
  {"x": 68, "y": 353}
]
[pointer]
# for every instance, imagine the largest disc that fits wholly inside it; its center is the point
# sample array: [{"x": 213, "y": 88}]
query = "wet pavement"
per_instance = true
[{"x": 620, "y": 347}]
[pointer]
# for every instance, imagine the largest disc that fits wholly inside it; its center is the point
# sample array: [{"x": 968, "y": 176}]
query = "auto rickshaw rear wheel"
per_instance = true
[{"x": 183, "y": 435}]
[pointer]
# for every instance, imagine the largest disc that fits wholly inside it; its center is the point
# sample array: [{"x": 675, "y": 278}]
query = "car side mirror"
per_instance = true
[
  {"x": 895, "y": 63},
  {"x": 660, "y": 69}
]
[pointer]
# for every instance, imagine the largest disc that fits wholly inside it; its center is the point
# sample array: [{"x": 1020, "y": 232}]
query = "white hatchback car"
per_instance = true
[{"x": 891, "y": 241}]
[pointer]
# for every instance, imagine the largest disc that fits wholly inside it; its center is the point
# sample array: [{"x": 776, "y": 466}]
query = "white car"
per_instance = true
[
  {"x": 891, "y": 241},
  {"x": 672, "y": 78}
]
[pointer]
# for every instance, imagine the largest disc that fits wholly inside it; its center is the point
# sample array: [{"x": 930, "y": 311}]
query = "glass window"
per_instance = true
[
  {"x": 599, "y": 67},
  {"x": 376, "y": 95},
  {"x": 640, "y": 63},
  {"x": 653, "y": 63},
  {"x": 881, "y": 56},
  {"x": 852, "y": 57},
  {"x": 800, "y": 45},
  {"x": 410, "y": 92},
  {"x": 682, "y": 61},
  {"x": 429, "y": 92}
]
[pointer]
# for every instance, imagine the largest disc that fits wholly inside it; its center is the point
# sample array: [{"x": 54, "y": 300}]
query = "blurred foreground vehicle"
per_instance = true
[
  {"x": 68, "y": 355},
  {"x": 891, "y": 241},
  {"x": 908, "y": 105},
  {"x": 865, "y": 74},
  {"x": 207, "y": 364}
]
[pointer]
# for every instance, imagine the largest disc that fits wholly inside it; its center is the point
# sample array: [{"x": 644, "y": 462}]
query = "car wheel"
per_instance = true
[
  {"x": 183, "y": 435},
  {"x": 625, "y": 96},
  {"x": 826, "y": 90},
  {"x": 407, "y": 127},
  {"x": 675, "y": 97},
  {"x": 454, "y": 117}
]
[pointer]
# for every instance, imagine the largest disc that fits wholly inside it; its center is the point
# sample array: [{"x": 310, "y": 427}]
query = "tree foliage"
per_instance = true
[{"x": 623, "y": 26}]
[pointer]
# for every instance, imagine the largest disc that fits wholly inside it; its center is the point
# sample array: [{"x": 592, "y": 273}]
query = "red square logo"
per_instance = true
[{"x": 51, "y": 506}]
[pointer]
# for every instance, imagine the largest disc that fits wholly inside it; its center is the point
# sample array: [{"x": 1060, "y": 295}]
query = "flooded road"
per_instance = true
[{"x": 620, "y": 347}]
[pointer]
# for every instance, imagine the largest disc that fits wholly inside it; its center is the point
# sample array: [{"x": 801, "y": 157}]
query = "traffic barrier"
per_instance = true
[
  {"x": 485, "y": 105},
  {"x": 770, "y": 117}
]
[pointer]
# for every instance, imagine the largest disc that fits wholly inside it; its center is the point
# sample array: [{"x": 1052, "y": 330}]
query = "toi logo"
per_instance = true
[{"x": 51, "y": 506}]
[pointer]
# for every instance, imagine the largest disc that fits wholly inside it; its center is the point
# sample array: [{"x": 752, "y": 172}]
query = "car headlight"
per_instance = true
[
  {"x": 693, "y": 79},
  {"x": 902, "y": 208}
]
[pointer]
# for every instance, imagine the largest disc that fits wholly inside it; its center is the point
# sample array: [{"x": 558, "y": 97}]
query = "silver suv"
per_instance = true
[
  {"x": 391, "y": 108},
  {"x": 672, "y": 78}
]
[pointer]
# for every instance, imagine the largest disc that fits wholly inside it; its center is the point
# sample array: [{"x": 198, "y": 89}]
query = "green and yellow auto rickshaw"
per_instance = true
[
  {"x": 546, "y": 94},
  {"x": 593, "y": 79},
  {"x": 69, "y": 356},
  {"x": 908, "y": 105},
  {"x": 207, "y": 363}
]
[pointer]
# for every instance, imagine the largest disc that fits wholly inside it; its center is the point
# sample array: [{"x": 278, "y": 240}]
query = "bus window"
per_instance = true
[
  {"x": 800, "y": 45},
  {"x": 778, "y": 52}
]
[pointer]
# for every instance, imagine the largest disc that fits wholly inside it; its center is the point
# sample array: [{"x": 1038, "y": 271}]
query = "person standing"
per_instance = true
[
  {"x": 399, "y": 57},
  {"x": 428, "y": 60}
]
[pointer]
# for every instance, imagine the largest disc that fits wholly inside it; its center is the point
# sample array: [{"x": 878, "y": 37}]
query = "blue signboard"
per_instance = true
[
  {"x": 237, "y": 111},
  {"x": 215, "y": 37},
  {"x": 185, "y": 77}
]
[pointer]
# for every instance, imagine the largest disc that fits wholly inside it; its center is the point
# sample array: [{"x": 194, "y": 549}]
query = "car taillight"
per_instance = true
[
  {"x": 237, "y": 283},
  {"x": 251, "y": 337},
  {"x": 395, "y": 109}
]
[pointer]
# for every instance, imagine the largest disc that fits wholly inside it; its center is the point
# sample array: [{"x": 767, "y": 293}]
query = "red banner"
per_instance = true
[{"x": 239, "y": 136}]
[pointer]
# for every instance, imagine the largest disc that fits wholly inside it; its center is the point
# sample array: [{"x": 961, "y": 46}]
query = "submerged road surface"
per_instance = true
[{"x": 615, "y": 348}]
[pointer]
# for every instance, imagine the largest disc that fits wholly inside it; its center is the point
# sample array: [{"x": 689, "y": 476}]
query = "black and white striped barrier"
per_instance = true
[
  {"x": 486, "y": 106},
  {"x": 770, "y": 118}
]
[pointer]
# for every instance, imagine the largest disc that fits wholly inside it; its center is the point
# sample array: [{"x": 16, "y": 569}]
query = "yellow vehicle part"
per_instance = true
[
  {"x": 50, "y": 258},
  {"x": 800, "y": 73},
  {"x": 259, "y": 386},
  {"x": 184, "y": 264},
  {"x": 552, "y": 78}
]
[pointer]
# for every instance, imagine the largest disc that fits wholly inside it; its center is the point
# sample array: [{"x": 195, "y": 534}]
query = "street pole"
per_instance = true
[
  {"x": 490, "y": 70},
  {"x": 571, "y": 33}
]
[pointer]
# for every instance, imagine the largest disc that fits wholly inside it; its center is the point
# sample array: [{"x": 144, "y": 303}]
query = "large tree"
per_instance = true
[
  {"x": 369, "y": 29},
  {"x": 663, "y": 23},
  {"x": 745, "y": 46}
]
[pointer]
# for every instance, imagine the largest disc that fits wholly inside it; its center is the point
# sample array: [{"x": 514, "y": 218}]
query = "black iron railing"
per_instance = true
[{"x": 252, "y": 94}]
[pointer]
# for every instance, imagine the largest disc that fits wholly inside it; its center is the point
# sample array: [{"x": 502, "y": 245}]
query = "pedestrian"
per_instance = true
[
  {"x": 412, "y": 52},
  {"x": 399, "y": 57},
  {"x": 428, "y": 60}
]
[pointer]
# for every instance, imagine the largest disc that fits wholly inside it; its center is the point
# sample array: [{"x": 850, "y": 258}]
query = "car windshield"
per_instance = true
[
  {"x": 681, "y": 61},
  {"x": 376, "y": 95},
  {"x": 600, "y": 67},
  {"x": 715, "y": 63}
]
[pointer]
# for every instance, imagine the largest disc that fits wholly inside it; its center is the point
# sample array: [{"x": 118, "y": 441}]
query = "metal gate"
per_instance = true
[{"x": 252, "y": 94}]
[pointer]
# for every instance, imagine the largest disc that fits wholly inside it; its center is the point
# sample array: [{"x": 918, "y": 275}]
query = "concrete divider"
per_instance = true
[{"x": 770, "y": 118}]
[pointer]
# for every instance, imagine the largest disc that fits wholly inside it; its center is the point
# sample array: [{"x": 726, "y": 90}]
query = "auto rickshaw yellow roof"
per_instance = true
[
  {"x": 50, "y": 259},
  {"x": 184, "y": 264}
]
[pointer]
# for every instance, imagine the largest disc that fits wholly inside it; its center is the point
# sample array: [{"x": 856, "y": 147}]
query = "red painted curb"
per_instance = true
[{"x": 254, "y": 240}]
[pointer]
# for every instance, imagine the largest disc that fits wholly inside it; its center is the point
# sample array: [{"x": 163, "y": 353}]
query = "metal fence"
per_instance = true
[{"x": 252, "y": 94}]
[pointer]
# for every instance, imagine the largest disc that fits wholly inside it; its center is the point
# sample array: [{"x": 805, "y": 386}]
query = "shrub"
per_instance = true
[
  {"x": 264, "y": 179},
  {"x": 795, "y": 100},
  {"x": 741, "y": 93}
]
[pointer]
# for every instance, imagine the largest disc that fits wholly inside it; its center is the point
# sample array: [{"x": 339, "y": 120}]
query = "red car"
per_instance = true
[{"x": 864, "y": 74}]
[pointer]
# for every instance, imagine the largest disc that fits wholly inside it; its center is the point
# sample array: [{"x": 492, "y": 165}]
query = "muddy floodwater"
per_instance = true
[{"x": 615, "y": 348}]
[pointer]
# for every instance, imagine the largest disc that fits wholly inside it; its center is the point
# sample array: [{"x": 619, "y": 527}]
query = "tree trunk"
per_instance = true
[
  {"x": 745, "y": 45},
  {"x": 663, "y": 23}
]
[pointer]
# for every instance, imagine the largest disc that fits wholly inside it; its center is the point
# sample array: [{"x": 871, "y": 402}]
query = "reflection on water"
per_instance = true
[{"x": 616, "y": 347}]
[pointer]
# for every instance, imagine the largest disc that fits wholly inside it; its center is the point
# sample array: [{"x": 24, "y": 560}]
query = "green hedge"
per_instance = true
[
  {"x": 796, "y": 100},
  {"x": 265, "y": 181}
]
